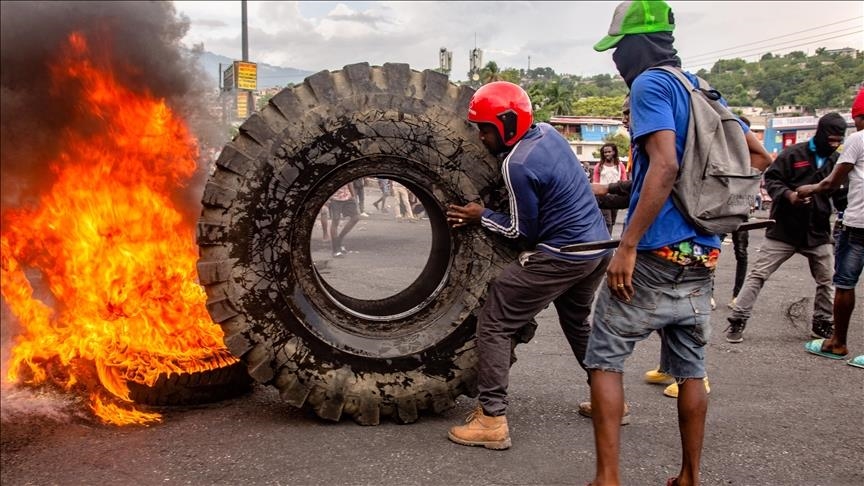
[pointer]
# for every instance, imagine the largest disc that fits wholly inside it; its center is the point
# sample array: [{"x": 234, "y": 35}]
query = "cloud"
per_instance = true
[
  {"x": 342, "y": 13},
  {"x": 559, "y": 35},
  {"x": 210, "y": 23}
]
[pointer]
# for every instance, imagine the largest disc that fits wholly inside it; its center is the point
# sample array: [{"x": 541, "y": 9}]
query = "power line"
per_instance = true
[
  {"x": 760, "y": 52},
  {"x": 784, "y": 35},
  {"x": 764, "y": 48}
]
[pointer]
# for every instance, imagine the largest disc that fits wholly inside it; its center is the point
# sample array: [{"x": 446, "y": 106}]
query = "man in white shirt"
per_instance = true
[{"x": 849, "y": 250}]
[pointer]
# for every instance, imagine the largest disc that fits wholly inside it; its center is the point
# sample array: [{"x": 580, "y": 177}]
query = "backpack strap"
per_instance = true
[
  {"x": 678, "y": 73},
  {"x": 704, "y": 87}
]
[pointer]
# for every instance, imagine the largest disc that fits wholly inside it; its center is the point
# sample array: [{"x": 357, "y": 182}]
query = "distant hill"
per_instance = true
[{"x": 268, "y": 76}]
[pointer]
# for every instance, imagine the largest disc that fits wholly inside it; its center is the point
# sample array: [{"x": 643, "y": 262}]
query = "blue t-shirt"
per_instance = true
[
  {"x": 658, "y": 101},
  {"x": 551, "y": 203}
]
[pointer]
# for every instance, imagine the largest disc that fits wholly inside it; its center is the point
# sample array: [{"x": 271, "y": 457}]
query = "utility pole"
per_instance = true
[
  {"x": 245, "y": 40},
  {"x": 224, "y": 109},
  {"x": 245, "y": 30}
]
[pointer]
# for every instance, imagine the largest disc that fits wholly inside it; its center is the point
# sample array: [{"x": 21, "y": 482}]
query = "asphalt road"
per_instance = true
[{"x": 777, "y": 415}]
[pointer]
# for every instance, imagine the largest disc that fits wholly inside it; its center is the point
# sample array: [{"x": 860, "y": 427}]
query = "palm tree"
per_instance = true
[
  {"x": 559, "y": 98},
  {"x": 490, "y": 73}
]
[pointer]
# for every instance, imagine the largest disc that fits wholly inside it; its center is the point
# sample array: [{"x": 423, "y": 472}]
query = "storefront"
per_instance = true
[{"x": 782, "y": 132}]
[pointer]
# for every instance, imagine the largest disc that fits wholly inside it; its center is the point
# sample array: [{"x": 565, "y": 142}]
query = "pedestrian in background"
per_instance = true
[
  {"x": 359, "y": 185},
  {"x": 343, "y": 204},
  {"x": 849, "y": 257},
  {"x": 609, "y": 170},
  {"x": 661, "y": 275},
  {"x": 802, "y": 226},
  {"x": 385, "y": 185},
  {"x": 404, "y": 210},
  {"x": 551, "y": 206}
]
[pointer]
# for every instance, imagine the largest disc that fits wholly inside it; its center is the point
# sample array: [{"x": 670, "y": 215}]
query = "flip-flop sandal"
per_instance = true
[
  {"x": 815, "y": 347},
  {"x": 857, "y": 361},
  {"x": 672, "y": 481}
]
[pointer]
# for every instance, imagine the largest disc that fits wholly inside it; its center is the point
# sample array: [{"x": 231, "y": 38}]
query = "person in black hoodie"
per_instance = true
[{"x": 802, "y": 226}]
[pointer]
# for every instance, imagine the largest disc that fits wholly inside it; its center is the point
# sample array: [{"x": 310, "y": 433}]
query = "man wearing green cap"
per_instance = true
[{"x": 660, "y": 278}]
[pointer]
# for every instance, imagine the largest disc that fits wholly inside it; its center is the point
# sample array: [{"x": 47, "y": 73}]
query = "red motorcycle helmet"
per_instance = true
[{"x": 504, "y": 105}]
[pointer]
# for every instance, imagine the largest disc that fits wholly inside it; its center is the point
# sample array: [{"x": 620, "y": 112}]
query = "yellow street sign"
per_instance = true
[
  {"x": 242, "y": 104},
  {"x": 246, "y": 75}
]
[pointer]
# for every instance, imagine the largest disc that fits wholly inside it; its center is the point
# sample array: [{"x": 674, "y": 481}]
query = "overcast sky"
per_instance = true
[{"x": 328, "y": 35}]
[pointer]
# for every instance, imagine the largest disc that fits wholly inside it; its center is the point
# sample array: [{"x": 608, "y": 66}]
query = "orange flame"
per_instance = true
[{"x": 114, "y": 252}]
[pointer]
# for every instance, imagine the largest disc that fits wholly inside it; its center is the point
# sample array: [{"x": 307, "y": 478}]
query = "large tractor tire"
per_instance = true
[{"x": 324, "y": 350}]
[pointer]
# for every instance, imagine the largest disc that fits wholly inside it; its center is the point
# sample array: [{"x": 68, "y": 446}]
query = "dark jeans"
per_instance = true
[
  {"x": 519, "y": 293},
  {"x": 610, "y": 215}
]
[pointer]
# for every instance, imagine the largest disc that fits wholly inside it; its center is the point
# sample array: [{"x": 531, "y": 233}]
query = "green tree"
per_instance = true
[
  {"x": 262, "y": 101},
  {"x": 490, "y": 73},
  {"x": 559, "y": 98},
  {"x": 820, "y": 81},
  {"x": 603, "y": 81},
  {"x": 512, "y": 75},
  {"x": 537, "y": 94},
  {"x": 602, "y": 106}
]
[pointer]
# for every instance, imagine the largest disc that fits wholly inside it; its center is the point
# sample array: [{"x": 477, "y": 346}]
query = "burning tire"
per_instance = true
[
  {"x": 335, "y": 354},
  {"x": 193, "y": 388}
]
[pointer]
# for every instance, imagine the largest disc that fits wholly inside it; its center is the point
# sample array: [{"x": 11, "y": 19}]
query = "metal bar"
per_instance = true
[{"x": 602, "y": 245}]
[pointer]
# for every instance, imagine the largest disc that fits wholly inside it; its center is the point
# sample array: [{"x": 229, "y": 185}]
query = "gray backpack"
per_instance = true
[{"x": 716, "y": 184}]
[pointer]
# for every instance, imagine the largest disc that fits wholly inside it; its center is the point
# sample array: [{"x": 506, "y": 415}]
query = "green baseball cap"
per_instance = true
[{"x": 637, "y": 17}]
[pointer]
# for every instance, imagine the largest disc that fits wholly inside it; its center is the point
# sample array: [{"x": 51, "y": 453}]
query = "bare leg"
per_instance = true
[
  {"x": 336, "y": 242},
  {"x": 844, "y": 304},
  {"x": 607, "y": 404},
  {"x": 692, "y": 408},
  {"x": 325, "y": 222}
]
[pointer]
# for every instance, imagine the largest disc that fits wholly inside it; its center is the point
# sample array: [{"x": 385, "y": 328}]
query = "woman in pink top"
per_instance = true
[{"x": 609, "y": 170}]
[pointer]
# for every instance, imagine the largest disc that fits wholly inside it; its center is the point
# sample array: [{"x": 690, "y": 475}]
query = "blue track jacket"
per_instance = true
[{"x": 551, "y": 203}]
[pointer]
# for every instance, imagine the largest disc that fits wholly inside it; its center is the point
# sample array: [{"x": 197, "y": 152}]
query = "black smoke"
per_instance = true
[{"x": 145, "y": 54}]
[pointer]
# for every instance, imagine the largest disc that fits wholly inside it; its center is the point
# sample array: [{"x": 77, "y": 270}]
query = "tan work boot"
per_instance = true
[
  {"x": 585, "y": 411},
  {"x": 672, "y": 390},
  {"x": 656, "y": 377},
  {"x": 482, "y": 430}
]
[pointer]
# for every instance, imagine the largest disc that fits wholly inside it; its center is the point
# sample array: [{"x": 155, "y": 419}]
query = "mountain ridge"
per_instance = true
[{"x": 269, "y": 76}]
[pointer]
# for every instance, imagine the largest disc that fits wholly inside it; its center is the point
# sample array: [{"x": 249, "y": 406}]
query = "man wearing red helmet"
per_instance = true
[
  {"x": 551, "y": 206},
  {"x": 849, "y": 258}
]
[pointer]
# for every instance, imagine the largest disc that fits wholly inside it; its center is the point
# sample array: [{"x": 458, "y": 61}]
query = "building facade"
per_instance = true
[{"x": 587, "y": 134}]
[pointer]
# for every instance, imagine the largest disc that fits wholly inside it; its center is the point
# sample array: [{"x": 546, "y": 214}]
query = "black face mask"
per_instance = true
[
  {"x": 829, "y": 125},
  {"x": 637, "y": 52}
]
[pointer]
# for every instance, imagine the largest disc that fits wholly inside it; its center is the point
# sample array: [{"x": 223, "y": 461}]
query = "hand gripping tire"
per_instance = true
[{"x": 335, "y": 354}]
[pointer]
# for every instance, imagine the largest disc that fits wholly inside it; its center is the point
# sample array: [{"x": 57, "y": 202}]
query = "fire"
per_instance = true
[{"x": 117, "y": 256}]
